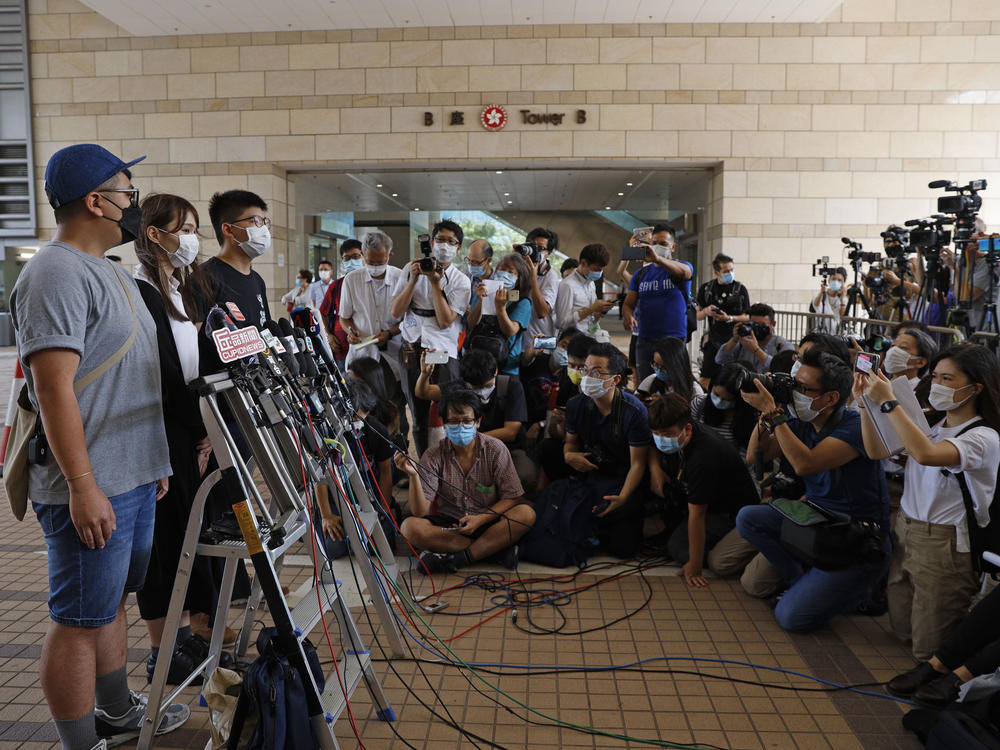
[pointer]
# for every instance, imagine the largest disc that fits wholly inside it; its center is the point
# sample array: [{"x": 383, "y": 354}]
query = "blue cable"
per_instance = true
[{"x": 529, "y": 667}]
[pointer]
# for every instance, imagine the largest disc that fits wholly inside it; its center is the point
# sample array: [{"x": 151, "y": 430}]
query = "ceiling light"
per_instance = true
[
  {"x": 628, "y": 184},
  {"x": 416, "y": 209},
  {"x": 621, "y": 193},
  {"x": 607, "y": 208},
  {"x": 506, "y": 194},
  {"x": 379, "y": 184},
  {"x": 395, "y": 195},
  {"x": 509, "y": 202},
  {"x": 499, "y": 171}
]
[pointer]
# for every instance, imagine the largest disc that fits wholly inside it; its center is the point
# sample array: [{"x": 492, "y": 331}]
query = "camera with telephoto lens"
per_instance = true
[
  {"x": 427, "y": 263},
  {"x": 530, "y": 250},
  {"x": 780, "y": 385}
]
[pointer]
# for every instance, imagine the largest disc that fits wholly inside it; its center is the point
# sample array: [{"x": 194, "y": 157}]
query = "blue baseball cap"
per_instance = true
[{"x": 74, "y": 171}]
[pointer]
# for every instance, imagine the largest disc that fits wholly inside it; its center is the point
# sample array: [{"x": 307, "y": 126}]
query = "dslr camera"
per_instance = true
[
  {"x": 427, "y": 263},
  {"x": 530, "y": 250},
  {"x": 780, "y": 385}
]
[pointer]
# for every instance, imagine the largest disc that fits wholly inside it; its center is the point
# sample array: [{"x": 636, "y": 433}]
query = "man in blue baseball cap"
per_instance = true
[{"x": 92, "y": 372}]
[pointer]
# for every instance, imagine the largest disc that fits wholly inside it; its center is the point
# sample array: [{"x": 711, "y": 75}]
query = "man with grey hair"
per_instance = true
[{"x": 364, "y": 304}]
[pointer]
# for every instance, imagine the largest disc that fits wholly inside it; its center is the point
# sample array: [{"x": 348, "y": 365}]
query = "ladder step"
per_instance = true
[
  {"x": 352, "y": 668},
  {"x": 307, "y": 613}
]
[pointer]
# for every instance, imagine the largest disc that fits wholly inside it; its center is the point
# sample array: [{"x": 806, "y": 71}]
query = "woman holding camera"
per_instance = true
[
  {"x": 931, "y": 577},
  {"x": 724, "y": 409}
]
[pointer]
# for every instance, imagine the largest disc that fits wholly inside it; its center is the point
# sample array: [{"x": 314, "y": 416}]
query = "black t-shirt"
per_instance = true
[
  {"x": 711, "y": 472},
  {"x": 566, "y": 389},
  {"x": 512, "y": 407},
  {"x": 375, "y": 440},
  {"x": 732, "y": 299},
  {"x": 247, "y": 293}
]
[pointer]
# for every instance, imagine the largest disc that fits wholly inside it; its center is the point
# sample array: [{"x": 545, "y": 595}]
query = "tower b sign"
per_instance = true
[{"x": 494, "y": 118}]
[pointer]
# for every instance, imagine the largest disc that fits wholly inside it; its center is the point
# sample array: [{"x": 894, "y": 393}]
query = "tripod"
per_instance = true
[
  {"x": 900, "y": 309},
  {"x": 930, "y": 291},
  {"x": 988, "y": 319},
  {"x": 856, "y": 292}
]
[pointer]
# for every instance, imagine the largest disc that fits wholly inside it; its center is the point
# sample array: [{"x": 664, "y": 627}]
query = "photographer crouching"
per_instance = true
[{"x": 829, "y": 547}]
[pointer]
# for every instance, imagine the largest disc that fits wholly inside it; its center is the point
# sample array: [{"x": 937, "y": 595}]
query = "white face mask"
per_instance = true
[
  {"x": 942, "y": 397},
  {"x": 796, "y": 366},
  {"x": 896, "y": 360},
  {"x": 444, "y": 253},
  {"x": 187, "y": 251},
  {"x": 375, "y": 271},
  {"x": 802, "y": 406},
  {"x": 325, "y": 275},
  {"x": 258, "y": 241},
  {"x": 663, "y": 250},
  {"x": 485, "y": 393},
  {"x": 593, "y": 387}
]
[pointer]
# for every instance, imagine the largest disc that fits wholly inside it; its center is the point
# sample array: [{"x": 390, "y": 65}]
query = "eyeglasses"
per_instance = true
[
  {"x": 258, "y": 221},
  {"x": 453, "y": 241},
  {"x": 133, "y": 194},
  {"x": 460, "y": 422},
  {"x": 595, "y": 373},
  {"x": 477, "y": 263},
  {"x": 802, "y": 388}
]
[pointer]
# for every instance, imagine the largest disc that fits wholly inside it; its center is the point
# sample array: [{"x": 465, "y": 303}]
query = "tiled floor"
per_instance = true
[{"x": 686, "y": 639}]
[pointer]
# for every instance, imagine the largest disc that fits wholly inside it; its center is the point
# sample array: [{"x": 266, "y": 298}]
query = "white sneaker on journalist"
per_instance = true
[{"x": 115, "y": 731}]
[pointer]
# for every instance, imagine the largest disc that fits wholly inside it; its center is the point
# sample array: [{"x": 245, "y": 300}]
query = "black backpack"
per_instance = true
[
  {"x": 565, "y": 528},
  {"x": 488, "y": 337},
  {"x": 981, "y": 539},
  {"x": 273, "y": 689},
  {"x": 692, "y": 311}
]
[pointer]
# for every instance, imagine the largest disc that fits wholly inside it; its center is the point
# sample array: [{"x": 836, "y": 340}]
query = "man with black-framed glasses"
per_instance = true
[
  {"x": 430, "y": 297},
  {"x": 243, "y": 230},
  {"x": 822, "y": 441},
  {"x": 92, "y": 370}
]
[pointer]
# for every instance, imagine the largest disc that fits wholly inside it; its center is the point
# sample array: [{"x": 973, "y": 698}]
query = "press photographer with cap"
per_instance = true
[
  {"x": 823, "y": 442},
  {"x": 92, "y": 372}
]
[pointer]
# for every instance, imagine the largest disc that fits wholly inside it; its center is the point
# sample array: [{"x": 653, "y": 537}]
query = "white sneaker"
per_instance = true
[
  {"x": 117, "y": 730},
  {"x": 102, "y": 745}
]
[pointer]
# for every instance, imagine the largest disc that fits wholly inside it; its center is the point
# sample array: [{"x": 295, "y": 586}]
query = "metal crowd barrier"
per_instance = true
[{"x": 793, "y": 325}]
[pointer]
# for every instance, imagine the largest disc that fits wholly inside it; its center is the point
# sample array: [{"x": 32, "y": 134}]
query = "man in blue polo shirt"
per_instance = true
[
  {"x": 657, "y": 296},
  {"x": 607, "y": 439},
  {"x": 824, "y": 445}
]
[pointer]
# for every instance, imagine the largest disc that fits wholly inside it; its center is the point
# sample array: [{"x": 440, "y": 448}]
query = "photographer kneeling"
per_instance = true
[
  {"x": 824, "y": 445},
  {"x": 933, "y": 578}
]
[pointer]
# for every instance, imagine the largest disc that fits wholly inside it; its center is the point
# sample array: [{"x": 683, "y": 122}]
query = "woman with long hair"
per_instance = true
[
  {"x": 931, "y": 577},
  {"x": 724, "y": 409},
  {"x": 172, "y": 284},
  {"x": 671, "y": 372}
]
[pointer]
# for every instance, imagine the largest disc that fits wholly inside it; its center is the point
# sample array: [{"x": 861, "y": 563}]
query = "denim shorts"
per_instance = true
[{"x": 87, "y": 585}]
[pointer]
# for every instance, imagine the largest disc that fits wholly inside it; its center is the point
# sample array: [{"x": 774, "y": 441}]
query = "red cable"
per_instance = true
[{"x": 316, "y": 585}]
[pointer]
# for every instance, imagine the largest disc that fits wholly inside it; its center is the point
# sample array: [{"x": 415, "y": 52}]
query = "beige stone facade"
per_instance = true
[{"x": 813, "y": 132}]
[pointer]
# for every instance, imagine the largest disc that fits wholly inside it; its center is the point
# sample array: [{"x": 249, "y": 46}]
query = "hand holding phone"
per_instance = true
[{"x": 867, "y": 363}]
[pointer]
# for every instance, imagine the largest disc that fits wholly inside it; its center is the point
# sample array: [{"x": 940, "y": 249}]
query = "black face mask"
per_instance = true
[
  {"x": 130, "y": 223},
  {"x": 761, "y": 331}
]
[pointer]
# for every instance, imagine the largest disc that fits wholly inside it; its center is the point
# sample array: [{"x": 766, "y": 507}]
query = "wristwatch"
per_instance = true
[{"x": 888, "y": 406}]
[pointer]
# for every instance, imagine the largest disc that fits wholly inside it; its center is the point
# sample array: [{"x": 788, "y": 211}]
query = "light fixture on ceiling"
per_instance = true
[
  {"x": 506, "y": 194},
  {"x": 416, "y": 209},
  {"x": 628, "y": 184},
  {"x": 621, "y": 193},
  {"x": 607, "y": 208},
  {"x": 395, "y": 195},
  {"x": 499, "y": 171},
  {"x": 378, "y": 184},
  {"x": 509, "y": 202}
]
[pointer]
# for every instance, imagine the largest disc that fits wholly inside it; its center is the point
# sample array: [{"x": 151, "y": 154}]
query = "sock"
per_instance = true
[
  {"x": 156, "y": 652},
  {"x": 184, "y": 634},
  {"x": 113, "y": 696},
  {"x": 77, "y": 734}
]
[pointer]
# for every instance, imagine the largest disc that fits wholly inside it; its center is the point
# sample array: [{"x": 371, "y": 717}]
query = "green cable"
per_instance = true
[{"x": 590, "y": 730}]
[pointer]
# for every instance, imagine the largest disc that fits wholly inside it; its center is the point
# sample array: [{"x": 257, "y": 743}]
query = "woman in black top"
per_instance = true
[
  {"x": 724, "y": 409},
  {"x": 171, "y": 285}
]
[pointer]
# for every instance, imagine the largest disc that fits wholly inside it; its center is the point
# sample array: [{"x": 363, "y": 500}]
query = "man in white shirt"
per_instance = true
[
  {"x": 317, "y": 290},
  {"x": 430, "y": 301},
  {"x": 577, "y": 305},
  {"x": 365, "y": 300}
]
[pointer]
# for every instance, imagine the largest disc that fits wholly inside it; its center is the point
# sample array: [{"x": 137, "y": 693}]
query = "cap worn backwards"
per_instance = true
[{"x": 74, "y": 171}]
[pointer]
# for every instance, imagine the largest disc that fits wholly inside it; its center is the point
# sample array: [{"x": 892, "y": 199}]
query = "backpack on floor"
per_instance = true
[
  {"x": 273, "y": 689},
  {"x": 972, "y": 725},
  {"x": 565, "y": 526}
]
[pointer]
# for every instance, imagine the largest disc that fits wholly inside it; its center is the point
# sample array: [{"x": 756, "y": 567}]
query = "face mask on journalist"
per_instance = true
[
  {"x": 942, "y": 397},
  {"x": 258, "y": 241},
  {"x": 666, "y": 444},
  {"x": 460, "y": 434},
  {"x": 186, "y": 252}
]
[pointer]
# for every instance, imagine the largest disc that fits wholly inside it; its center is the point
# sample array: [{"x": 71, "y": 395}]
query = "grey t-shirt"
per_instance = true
[{"x": 66, "y": 299}]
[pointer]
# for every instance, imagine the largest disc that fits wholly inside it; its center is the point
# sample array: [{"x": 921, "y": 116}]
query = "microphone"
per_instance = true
[
  {"x": 939, "y": 183},
  {"x": 301, "y": 352},
  {"x": 287, "y": 357},
  {"x": 217, "y": 320},
  {"x": 308, "y": 360}
]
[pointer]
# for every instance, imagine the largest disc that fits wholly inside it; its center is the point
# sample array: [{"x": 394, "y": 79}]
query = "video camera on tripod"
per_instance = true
[
  {"x": 964, "y": 206},
  {"x": 856, "y": 255}
]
